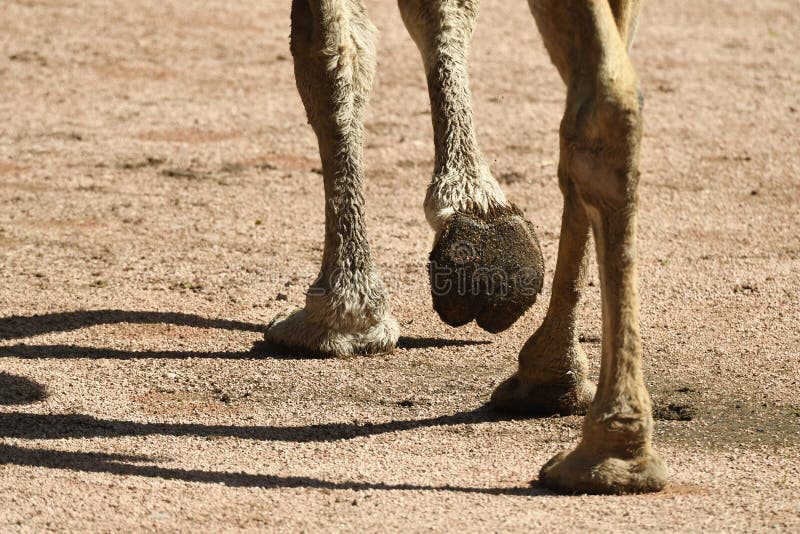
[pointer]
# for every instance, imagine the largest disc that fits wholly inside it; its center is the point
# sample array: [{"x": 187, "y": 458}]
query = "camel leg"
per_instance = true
[
  {"x": 552, "y": 374},
  {"x": 486, "y": 263},
  {"x": 601, "y": 133},
  {"x": 553, "y": 370},
  {"x": 347, "y": 307}
]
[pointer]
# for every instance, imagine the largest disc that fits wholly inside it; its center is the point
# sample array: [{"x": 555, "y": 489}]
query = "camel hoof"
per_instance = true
[
  {"x": 586, "y": 470},
  {"x": 487, "y": 268},
  {"x": 300, "y": 334},
  {"x": 517, "y": 395}
]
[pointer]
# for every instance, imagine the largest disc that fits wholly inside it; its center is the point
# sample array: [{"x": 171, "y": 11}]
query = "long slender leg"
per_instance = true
[
  {"x": 486, "y": 250},
  {"x": 552, "y": 374},
  {"x": 601, "y": 133},
  {"x": 347, "y": 308}
]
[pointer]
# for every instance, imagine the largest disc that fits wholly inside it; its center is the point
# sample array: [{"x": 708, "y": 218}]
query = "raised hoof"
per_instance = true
[
  {"x": 301, "y": 335},
  {"x": 487, "y": 268},
  {"x": 518, "y": 396},
  {"x": 585, "y": 470}
]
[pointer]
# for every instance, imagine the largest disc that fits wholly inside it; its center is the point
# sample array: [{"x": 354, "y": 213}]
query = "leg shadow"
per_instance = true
[
  {"x": 124, "y": 465},
  {"x": 93, "y": 353},
  {"x": 259, "y": 350},
  {"x": 60, "y": 426},
  {"x": 19, "y": 326},
  {"x": 266, "y": 349}
]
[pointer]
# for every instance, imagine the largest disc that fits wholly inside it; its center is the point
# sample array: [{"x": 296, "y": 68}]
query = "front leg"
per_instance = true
[
  {"x": 347, "y": 307},
  {"x": 600, "y": 138},
  {"x": 486, "y": 263}
]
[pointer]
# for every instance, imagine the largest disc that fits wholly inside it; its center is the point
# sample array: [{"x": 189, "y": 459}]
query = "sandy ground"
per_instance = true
[{"x": 161, "y": 202}]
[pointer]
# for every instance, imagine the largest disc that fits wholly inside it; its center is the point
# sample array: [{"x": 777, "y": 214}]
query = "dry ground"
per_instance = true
[{"x": 160, "y": 204}]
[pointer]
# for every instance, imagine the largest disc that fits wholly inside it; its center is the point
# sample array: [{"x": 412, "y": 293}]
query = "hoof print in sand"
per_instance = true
[{"x": 488, "y": 268}]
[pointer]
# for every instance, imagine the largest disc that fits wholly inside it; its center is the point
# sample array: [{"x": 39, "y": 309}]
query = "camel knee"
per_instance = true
[{"x": 601, "y": 133}]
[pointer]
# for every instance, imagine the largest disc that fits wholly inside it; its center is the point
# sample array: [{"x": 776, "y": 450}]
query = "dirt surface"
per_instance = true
[{"x": 161, "y": 201}]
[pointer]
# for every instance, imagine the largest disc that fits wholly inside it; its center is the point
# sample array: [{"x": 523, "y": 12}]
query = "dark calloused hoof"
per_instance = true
[
  {"x": 488, "y": 268},
  {"x": 521, "y": 397}
]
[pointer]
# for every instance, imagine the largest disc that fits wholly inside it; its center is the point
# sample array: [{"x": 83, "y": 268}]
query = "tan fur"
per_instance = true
[
  {"x": 347, "y": 308},
  {"x": 601, "y": 131}
]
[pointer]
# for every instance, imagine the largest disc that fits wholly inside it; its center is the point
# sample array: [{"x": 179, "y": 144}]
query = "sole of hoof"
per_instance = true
[
  {"x": 486, "y": 268},
  {"x": 517, "y": 396},
  {"x": 298, "y": 335},
  {"x": 586, "y": 471}
]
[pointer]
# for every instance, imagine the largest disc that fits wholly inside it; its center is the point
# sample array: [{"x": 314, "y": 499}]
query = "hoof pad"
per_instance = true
[{"x": 488, "y": 268}]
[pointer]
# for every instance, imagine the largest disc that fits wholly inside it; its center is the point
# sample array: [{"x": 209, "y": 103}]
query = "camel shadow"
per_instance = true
[
  {"x": 63, "y": 426},
  {"x": 259, "y": 350},
  {"x": 130, "y": 465},
  {"x": 18, "y": 327},
  {"x": 22, "y": 326},
  {"x": 18, "y": 390},
  {"x": 23, "y": 425}
]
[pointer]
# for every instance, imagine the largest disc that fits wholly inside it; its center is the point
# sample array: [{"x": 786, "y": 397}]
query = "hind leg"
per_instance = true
[
  {"x": 486, "y": 263},
  {"x": 347, "y": 307},
  {"x": 553, "y": 370}
]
